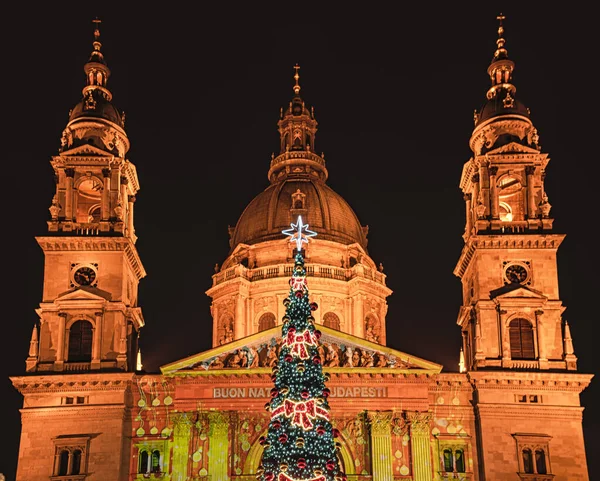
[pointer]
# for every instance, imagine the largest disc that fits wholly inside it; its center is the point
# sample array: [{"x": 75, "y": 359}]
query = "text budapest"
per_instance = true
[{"x": 336, "y": 391}]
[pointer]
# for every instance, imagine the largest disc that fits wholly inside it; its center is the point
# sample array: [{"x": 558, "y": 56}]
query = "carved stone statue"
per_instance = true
[
  {"x": 333, "y": 359},
  {"x": 347, "y": 357}
]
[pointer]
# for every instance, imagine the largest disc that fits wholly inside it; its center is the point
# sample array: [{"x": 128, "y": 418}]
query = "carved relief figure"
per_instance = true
[
  {"x": 372, "y": 328},
  {"x": 234, "y": 360},
  {"x": 356, "y": 358},
  {"x": 381, "y": 361},
  {"x": 243, "y": 358},
  {"x": 252, "y": 357},
  {"x": 217, "y": 363},
  {"x": 227, "y": 328},
  {"x": 333, "y": 359},
  {"x": 347, "y": 357},
  {"x": 271, "y": 358},
  {"x": 322, "y": 354},
  {"x": 366, "y": 359}
]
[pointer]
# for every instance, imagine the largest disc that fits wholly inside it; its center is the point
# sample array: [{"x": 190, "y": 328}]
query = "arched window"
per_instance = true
[
  {"x": 460, "y": 460},
  {"x": 527, "y": 461},
  {"x": 63, "y": 463},
  {"x": 143, "y": 462},
  {"x": 448, "y": 461},
  {"x": 540, "y": 461},
  {"x": 76, "y": 463},
  {"x": 155, "y": 461},
  {"x": 331, "y": 319},
  {"x": 510, "y": 198},
  {"x": 80, "y": 341},
  {"x": 89, "y": 200},
  {"x": 521, "y": 339},
  {"x": 266, "y": 321}
]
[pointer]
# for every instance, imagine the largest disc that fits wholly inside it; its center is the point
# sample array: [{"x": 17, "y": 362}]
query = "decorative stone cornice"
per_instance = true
[
  {"x": 96, "y": 244},
  {"x": 57, "y": 383},
  {"x": 539, "y": 381},
  {"x": 89, "y": 411},
  {"x": 505, "y": 241}
]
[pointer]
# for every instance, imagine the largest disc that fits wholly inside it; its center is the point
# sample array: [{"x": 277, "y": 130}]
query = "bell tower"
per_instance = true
[
  {"x": 88, "y": 317},
  {"x": 511, "y": 315}
]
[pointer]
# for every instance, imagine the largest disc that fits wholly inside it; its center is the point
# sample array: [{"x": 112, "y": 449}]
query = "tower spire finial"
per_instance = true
[
  {"x": 500, "y": 42},
  {"x": 97, "y": 43},
  {"x": 297, "y": 78}
]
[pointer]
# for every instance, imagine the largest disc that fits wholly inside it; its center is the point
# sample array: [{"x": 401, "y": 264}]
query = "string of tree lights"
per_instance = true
[{"x": 300, "y": 442}]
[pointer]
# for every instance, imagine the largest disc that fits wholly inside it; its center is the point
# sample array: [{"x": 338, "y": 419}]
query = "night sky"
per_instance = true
[{"x": 394, "y": 90}]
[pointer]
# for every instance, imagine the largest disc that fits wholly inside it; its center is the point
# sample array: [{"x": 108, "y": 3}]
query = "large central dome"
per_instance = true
[
  {"x": 325, "y": 211},
  {"x": 298, "y": 187}
]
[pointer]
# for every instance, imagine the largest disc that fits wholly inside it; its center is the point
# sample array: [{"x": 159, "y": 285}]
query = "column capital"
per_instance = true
[
  {"x": 380, "y": 422},
  {"x": 530, "y": 169},
  {"x": 419, "y": 421},
  {"x": 494, "y": 171},
  {"x": 219, "y": 424}
]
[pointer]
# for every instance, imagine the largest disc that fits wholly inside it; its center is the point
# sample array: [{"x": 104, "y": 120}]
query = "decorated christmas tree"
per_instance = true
[{"x": 300, "y": 442}]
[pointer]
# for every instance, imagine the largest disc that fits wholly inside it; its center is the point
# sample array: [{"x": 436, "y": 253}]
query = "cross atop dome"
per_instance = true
[{"x": 297, "y": 78}]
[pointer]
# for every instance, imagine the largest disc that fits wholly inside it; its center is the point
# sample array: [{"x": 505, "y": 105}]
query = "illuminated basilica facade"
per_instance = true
[{"x": 511, "y": 412}]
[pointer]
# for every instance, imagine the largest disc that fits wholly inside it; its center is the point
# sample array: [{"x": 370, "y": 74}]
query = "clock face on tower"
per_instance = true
[
  {"x": 516, "y": 273},
  {"x": 84, "y": 276}
]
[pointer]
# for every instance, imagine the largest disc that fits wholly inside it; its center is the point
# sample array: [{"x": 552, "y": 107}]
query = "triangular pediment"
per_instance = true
[
  {"x": 353, "y": 354},
  {"x": 85, "y": 150},
  {"x": 513, "y": 147},
  {"x": 516, "y": 290},
  {"x": 83, "y": 293}
]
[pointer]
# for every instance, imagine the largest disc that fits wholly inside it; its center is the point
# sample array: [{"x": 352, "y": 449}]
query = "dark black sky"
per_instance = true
[{"x": 394, "y": 90}]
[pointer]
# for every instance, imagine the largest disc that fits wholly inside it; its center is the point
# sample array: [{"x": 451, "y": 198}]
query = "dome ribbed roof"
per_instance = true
[
  {"x": 102, "y": 109},
  {"x": 298, "y": 187},
  {"x": 325, "y": 211}
]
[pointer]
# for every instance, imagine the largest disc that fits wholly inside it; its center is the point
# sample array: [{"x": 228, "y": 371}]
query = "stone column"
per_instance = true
[
  {"x": 420, "y": 445},
  {"x": 494, "y": 205},
  {"x": 60, "y": 342},
  {"x": 468, "y": 211},
  {"x": 484, "y": 186},
  {"x": 182, "y": 431},
  {"x": 381, "y": 442},
  {"x": 96, "y": 346},
  {"x": 238, "y": 326},
  {"x": 130, "y": 215},
  {"x": 122, "y": 330},
  {"x": 531, "y": 208},
  {"x": 504, "y": 338},
  {"x": 479, "y": 355},
  {"x": 359, "y": 314},
  {"x": 215, "y": 316},
  {"x": 105, "y": 194},
  {"x": 70, "y": 462},
  {"x": 541, "y": 345},
  {"x": 70, "y": 173},
  {"x": 123, "y": 196},
  {"x": 218, "y": 446}
]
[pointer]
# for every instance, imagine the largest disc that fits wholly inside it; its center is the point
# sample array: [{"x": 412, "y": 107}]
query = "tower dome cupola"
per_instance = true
[
  {"x": 95, "y": 120},
  {"x": 297, "y": 177},
  {"x": 503, "y": 118}
]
